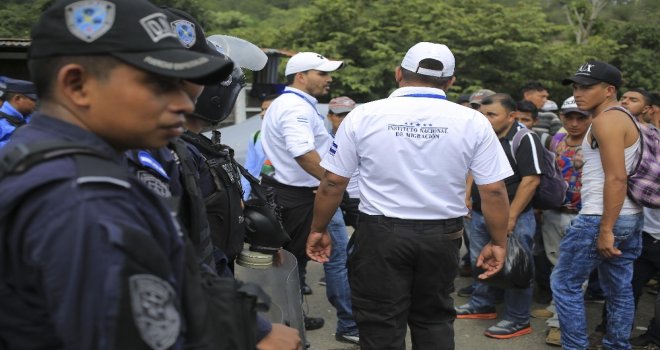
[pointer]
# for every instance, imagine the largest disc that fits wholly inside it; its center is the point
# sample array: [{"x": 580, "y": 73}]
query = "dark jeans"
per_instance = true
[
  {"x": 644, "y": 268},
  {"x": 402, "y": 272}
]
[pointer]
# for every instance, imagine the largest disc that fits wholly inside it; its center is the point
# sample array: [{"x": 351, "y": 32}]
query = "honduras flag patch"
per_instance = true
[
  {"x": 148, "y": 161},
  {"x": 333, "y": 149},
  {"x": 185, "y": 31},
  {"x": 88, "y": 20}
]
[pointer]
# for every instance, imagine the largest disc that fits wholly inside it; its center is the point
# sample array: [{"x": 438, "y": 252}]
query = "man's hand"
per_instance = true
[
  {"x": 281, "y": 337},
  {"x": 605, "y": 245},
  {"x": 319, "y": 246},
  {"x": 491, "y": 259},
  {"x": 511, "y": 225}
]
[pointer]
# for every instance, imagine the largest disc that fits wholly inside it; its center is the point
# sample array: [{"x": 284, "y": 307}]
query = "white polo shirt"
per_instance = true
[
  {"x": 414, "y": 153},
  {"x": 292, "y": 127}
]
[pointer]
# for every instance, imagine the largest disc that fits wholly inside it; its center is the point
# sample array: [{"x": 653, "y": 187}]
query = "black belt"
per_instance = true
[
  {"x": 270, "y": 181},
  {"x": 447, "y": 223}
]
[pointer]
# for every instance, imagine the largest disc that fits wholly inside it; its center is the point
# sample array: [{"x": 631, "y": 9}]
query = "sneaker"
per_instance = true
[
  {"x": 312, "y": 323},
  {"x": 322, "y": 281},
  {"x": 348, "y": 338},
  {"x": 642, "y": 341},
  {"x": 553, "y": 337},
  {"x": 468, "y": 312},
  {"x": 507, "y": 329},
  {"x": 305, "y": 289},
  {"x": 541, "y": 313},
  {"x": 595, "y": 340},
  {"x": 465, "y": 291}
]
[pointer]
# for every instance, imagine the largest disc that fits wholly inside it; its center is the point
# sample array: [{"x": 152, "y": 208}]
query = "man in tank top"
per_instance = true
[{"x": 606, "y": 234}]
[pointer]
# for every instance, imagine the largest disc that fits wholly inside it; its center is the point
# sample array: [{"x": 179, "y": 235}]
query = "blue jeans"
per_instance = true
[
  {"x": 517, "y": 301},
  {"x": 578, "y": 258},
  {"x": 336, "y": 276}
]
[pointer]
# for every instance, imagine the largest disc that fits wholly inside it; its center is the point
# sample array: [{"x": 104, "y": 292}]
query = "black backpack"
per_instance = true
[
  {"x": 552, "y": 190},
  {"x": 222, "y": 314}
]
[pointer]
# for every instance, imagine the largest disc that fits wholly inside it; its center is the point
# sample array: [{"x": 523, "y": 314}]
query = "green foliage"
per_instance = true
[{"x": 498, "y": 44}]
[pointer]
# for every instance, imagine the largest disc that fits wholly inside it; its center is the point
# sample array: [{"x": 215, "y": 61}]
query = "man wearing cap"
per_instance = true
[
  {"x": 606, "y": 233},
  {"x": 94, "y": 259},
  {"x": 476, "y": 97},
  {"x": 336, "y": 273},
  {"x": 406, "y": 251},
  {"x": 20, "y": 101},
  {"x": 567, "y": 148},
  {"x": 293, "y": 135}
]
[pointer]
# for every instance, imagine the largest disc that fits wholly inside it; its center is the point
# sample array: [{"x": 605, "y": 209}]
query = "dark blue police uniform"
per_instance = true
[{"x": 86, "y": 263}]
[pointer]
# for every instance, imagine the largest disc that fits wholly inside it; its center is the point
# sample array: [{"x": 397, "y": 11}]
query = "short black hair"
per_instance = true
[
  {"x": 655, "y": 98},
  {"x": 644, "y": 93},
  {"x": 428, "y": 63},
  {"x": 43, "y": 71},
  {"x": 504, "y": 99},
  {"x": 526, "y": 106},
  {"x": 290, "y": 78},
  {"x": 533, "y": 85}
]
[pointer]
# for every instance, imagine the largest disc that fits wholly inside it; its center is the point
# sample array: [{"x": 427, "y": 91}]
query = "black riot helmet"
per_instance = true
[
  {"x": 217, "y": 101},
  {"x": 264, "y": 230}
]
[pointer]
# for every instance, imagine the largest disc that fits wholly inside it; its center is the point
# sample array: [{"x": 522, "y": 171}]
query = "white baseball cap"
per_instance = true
[
  {"x": 426, "y": 50},
  {"x": 569, "y": 106},
  {"x": 304, "y": 61}
]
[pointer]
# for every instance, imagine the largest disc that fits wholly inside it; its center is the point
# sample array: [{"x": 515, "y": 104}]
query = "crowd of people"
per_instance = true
[{"x": 122, "y": 221}]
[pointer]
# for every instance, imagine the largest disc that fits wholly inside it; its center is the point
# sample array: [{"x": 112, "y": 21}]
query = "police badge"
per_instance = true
[
  {"x": 185, "y": 31},
  {"x": 156, "y": 317},
  {"x": 88, "y": 20}
]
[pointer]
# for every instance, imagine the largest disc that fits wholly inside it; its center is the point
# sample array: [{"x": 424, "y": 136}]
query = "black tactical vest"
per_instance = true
[{"x": 224, "y": 206}]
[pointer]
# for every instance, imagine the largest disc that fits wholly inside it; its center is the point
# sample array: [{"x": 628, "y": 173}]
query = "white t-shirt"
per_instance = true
[
  {"x": 292, "y": 127},
  {"x": 593, "y": 179},
  {"x": 414, "y": 153}
]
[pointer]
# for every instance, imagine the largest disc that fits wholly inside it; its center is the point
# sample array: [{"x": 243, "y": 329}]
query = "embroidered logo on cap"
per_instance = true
[
  {"x": 88, "y": 20},
  {"x": 185, "y": 31},
  {"x": 157, "y": 27}
]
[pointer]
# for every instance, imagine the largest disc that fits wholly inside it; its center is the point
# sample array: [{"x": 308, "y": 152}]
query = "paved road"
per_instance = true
[{"x": 469, "y": 333}]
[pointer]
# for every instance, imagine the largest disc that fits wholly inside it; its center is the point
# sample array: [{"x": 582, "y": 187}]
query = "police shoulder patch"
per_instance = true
[
  {"x": 148, "y": 161},
  {"x": 88, "y": 20},
  {"x": 154, "y": 311},
  {"x": 185, "y": 31}
]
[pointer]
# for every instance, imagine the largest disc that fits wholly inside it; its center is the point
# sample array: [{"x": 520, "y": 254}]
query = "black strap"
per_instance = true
[
  {"x": 196, "y": 201},
  {"x": 13, "y": 120},
  {"x": 257, "y": 188},
  {"x": 23, "y": 156}
]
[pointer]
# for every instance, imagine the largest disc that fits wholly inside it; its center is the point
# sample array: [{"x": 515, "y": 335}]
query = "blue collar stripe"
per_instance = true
[{"x": 439, "y": 97}]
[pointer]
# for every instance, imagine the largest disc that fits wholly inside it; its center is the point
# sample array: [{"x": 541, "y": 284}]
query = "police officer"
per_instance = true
[
  {"x": 91, "y": 259},
  {"x": 174, "y": 172},
  {"x": 406, "y": 249},
  {"x": 20, "y": 100}
]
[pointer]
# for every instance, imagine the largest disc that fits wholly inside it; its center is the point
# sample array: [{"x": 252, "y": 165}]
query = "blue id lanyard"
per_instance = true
[
  {"x": 439, "y": 97},
  {"x": 304, "y": 98}
]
